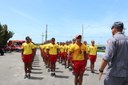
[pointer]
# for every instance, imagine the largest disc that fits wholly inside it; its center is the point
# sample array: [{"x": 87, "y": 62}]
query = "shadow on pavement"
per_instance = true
[
  {"x": 36, "y": 72},
  {"x": 86, "y": 74},
  {"x": 35, "y": 66},
  {"x": 59, "y": 71},
  {"x": 61, "y": 76},
  {"x": 36, "y": 78},
  {"x": 36, "y": 69}
]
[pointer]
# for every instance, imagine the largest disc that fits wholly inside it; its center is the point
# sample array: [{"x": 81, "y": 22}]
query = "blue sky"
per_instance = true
[{"x": 63, "y": 17}]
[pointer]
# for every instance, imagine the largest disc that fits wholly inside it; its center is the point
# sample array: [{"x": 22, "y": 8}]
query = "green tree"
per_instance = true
[{"x": 5, "y": 34}]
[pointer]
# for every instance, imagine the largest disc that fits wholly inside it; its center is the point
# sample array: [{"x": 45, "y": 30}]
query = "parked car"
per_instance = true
[{"x": 101, "y": 48}]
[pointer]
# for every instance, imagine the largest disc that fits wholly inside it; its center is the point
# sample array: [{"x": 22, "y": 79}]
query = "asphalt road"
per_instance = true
[{"x": 12, "y": 72}]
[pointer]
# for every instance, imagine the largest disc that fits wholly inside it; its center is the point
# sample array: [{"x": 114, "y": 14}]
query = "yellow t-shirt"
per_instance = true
[
  {"x": 66, "y": 48},
  {"x": 27, "y": 48},
  {"x": 61, "y": 47},
  {"x": 41, "y": 46},
  {"x": 52, "y": 48},
  {"x": 92, "y": 50},
  {"x": 87, "y": 49},
  {"x": 77, "y": 51}
]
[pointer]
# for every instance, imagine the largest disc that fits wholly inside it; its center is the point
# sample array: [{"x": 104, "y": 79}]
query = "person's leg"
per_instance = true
[
  {"x": 86, "y": 60},
  {"x": 76, "y": 79},
  {"x": 81, "y": 72},
  {"x": 80, "y": 78},
  {"x": 92, "y": 61},
  {"x": 91, "y": 67},
  {"x": 51, "y": 64},
  {"x": 54, "y": 67},
  {"x": 29, "y": 69},
  {"x": 54, "y": 64},
  {"x": 25, "y": 69},
  {"x": 65, "y": 61}
]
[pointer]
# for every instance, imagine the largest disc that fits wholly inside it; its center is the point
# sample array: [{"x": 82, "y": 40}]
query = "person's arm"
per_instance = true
[
  {"x": 33, "y": 49},
  {"x": 102, "y": 67},
  {"x": 84, "y": 55},
  {"x": 22, "y": 50},
  {"x": 70, "y": 56},
  {"x": 107, "y": 57}
]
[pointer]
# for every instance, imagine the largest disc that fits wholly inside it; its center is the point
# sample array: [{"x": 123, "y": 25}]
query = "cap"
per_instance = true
[
  {"x": 118, "y": 25},
  {"x": 78, "y": 37}
]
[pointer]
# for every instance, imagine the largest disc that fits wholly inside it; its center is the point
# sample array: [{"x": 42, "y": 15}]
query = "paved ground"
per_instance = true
[{"x": 12, "y": 73}]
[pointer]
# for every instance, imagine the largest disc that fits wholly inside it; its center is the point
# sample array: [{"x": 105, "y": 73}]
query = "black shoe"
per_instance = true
[
  {"x": 51, "y": 74},
  {"x": 92, "y": 72},
  {"x": 48, "y": 70},
  {"x": 46, "y": 66},
  {"x": 54, "y": 74},
  {"x": 25, "y": 76},
  {"x": 29, "y": 76}
]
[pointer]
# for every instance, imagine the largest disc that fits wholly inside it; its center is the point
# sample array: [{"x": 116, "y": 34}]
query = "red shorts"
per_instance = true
[
  {"x": 86, "y": 57},
  {"x": 69, "y": 58},
  {"x": 65, "y": 55},
  {"x": 78, "y": 66},
  {"x": 53, "y": 58},
  {"x": 92, "y": 58},
  {"x": 59, "y": 54},
  {"x": 27, "y": 58},
  {"x": 62, "y": 54}
]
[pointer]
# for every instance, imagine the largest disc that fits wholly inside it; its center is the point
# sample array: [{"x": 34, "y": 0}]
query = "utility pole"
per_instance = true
[
  {"x": 46, "y": 32},
  {"x": 82, "y": 32},
  {"x": 42, "y": 37}
]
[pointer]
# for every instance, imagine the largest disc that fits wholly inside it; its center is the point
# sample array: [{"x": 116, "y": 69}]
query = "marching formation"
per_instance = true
[
  {"x": 75, "y": 54},
  {"x": 72, "y": 54}
]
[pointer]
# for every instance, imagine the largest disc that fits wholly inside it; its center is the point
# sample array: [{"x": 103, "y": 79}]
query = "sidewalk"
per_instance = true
[{"x": 12, "y": 72}]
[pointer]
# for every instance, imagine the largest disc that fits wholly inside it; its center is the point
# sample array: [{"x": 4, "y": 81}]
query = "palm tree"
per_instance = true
[{"x": 5, "y": 35}]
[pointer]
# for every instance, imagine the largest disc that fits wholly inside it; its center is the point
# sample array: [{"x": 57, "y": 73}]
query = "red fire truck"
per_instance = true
[{"x": 14, "y": 45}]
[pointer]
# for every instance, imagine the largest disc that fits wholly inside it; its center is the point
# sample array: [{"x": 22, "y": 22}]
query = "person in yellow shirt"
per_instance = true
[
  {"x": 42, "y": 52},
  {"x": 66, "y": 53},
  {"x": 27, "y": 54},
  {"x": 78, "y": 52},
  {"x": 70, "y": 56},
  {"x": 62, "y": 50},
  {"x": 34, "y": 52},
  {"x": 87, "y": 56},
  {"x": 92, "y": 55},
  {"x": 52, "y": 52}
]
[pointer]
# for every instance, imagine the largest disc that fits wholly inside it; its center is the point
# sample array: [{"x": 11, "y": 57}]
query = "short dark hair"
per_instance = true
[
  {"x": 28, "y": 38},
  {"x": 53, "y": 38}
]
